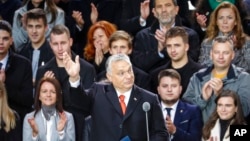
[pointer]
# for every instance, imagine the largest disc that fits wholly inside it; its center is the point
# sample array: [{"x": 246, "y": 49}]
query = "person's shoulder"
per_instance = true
[
  {"x": 68, "y": 114},
  {"x": 18, "y": 58},
  {"x": 84, "y": 63},
  {"x": 190, "y": 31},
  {"x": 30, "y": 114}
]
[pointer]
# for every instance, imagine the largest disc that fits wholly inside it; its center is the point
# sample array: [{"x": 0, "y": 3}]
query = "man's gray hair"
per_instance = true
[
  {"x": 116, "y": 58},
  {"x": 223, "y": 39}
]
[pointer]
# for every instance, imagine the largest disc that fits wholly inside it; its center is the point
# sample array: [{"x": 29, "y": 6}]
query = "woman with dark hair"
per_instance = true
[
  {"x": 228, "y": 112},
  {"x": 10, "y": 123},
  {"x": 97, "y": 47},
  {"x": 226, "y": 21},
  {"x": 48, "y": 122},
  {"x": 54, "y": 16}
]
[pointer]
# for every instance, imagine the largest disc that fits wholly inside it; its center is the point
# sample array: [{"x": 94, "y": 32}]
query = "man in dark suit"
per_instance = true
[
  {"x": 61, "y": 42},
  {"x": 16, "y": 73},
  {"x": 149, "y": 50},
  {"x": 110, "y": 120},
  {"x": 183, "y": 120}
]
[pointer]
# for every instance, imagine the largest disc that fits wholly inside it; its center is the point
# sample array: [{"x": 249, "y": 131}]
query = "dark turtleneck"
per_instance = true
[{"x": 223, "y": 127}]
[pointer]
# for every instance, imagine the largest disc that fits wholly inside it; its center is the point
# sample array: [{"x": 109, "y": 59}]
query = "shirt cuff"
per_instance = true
[
  {"x": 61, "y": 134},
  {"x": 75, "y": 84},
  {"x": 203, "y": 29},
  {"x": 161, "y": 54},
  {"x": 142, "y": 22},
  {"x": 34, "y": 138}
]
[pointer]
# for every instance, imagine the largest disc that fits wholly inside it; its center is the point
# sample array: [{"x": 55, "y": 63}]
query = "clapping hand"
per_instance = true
[
  {"x": 33, "y": 125},
  {"x": 62, "y": 122}
]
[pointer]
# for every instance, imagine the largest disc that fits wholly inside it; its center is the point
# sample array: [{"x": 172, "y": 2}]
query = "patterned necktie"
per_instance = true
[{"x": 122, "y": 103}]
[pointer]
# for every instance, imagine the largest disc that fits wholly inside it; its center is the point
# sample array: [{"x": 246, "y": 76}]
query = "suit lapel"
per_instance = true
[
  {"x": 179, "y": 113},
  {"x": 113, "y": 98},
  {"x": 134, "y": 99}
]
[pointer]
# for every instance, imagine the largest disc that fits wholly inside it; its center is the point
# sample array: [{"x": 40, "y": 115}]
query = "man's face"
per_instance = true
[
  {"x": 36, "y": 30},
  {"x": 165, "y": 11},
  {"x": 121, "y": 75},
  {"x": 221, "y": 55},
  {"x": 120, "y": 46},
  {"x": 5, "y": 42},
  {"x": 169, "y": 90},
  {"x": 176, "y": 48},
  {"x": 60, "y": 44}
]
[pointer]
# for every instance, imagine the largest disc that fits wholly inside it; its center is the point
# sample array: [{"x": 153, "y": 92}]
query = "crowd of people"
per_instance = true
[{"x": 123, "y": 70}]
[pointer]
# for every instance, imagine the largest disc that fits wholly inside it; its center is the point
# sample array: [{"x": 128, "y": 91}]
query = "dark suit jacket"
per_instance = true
[
  {"x": 45, "y": 52},
  {"x": 108, "y": 122},
  {"x": 18, "y": 83},
  {"x": 145, "y": 53},
  {"x": 131, "y": 14},
  {"x": 87, "y": 74},
  {"x": 188, "y": 122}
]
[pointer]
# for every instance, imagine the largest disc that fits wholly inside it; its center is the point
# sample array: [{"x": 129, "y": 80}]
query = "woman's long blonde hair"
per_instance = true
[{"x": 7, "y": 115}]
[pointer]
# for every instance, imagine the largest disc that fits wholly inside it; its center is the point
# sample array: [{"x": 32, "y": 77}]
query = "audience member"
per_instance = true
[
  {"x": 16, "y": 73},
  {"x": 80, "y": 15},
  {"x": 121, "y": 42},
  {"x": 183, "y": 120},
  {"x": 176, "y": 43},
  {"x": 110, "y": 120},
  {"x": 8, "y": 8},
  {"x": 97, "y": 47},
  {"x": 149, "y": 52},
  {"x": 38, "y": 50},
  {"x": 54, "y": 16},
  {"x": 49, "y": 121},
  {"x": 61, "y": 42},
  {"x": 205, "y": 85},
  {"x": 109, "y": 10},
  {"x": 136, "y": 15},
  {"x": 225, "y": 21},
  {"x": 205, "y": 8},
  {"x": 10, "y": 122},
  {"x": 228, "y": 112}
]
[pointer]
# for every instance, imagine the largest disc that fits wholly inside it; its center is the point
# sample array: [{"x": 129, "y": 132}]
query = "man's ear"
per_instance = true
[
  {"x": 109, "y": 77},
  {"x": 153, "y": 11}
]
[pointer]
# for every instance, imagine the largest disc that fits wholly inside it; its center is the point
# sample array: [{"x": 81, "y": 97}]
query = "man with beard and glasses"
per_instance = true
[
  {"x": 183, "y": 120},
  {"x": 149, "y": 50}
]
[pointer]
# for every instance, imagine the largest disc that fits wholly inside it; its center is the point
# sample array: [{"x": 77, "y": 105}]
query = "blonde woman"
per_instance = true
[{"x": 10, "y": 124}]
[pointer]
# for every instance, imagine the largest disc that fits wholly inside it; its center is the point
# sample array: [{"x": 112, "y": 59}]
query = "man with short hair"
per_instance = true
[
  {"x": 38, "y": 50},
  {"x": 149, "y": 49},
  {"x": 118, "y": 108},
  {"x": 16, "y": 73},
  {"x": 121, "y": 42},
  {"x": 176, "y": 42},
  {"x": 205, "y": 85},
  {"x": 183, "y": 120}
]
